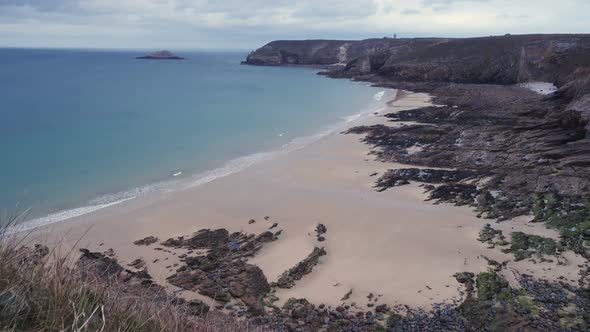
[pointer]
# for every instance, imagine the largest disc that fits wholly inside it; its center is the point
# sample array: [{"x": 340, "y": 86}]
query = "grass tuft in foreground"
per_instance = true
[{"x": 41, "y": 291}]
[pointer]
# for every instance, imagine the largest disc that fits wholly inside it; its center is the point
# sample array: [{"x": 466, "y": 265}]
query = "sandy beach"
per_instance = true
[{"x": 392, "y": 244}]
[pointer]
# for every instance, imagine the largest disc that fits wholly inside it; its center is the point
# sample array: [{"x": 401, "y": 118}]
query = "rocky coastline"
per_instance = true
[
  {"x": 488, "y": 144},
  {"x": 501, "y": 149}
]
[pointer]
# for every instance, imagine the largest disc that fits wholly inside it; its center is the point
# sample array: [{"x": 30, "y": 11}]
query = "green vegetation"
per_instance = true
[
  {"x": 570, "y": 318},
  {"x": 525, "y": 246},
  {"x": 569, "y": 215},
  {"x": 289, "y": 303},
  {"x": 492, "y": 236},
  {"x": 493, "y": 309},
  {"x": 528, "y": 304},
  {"x": 491, "y": 286}
]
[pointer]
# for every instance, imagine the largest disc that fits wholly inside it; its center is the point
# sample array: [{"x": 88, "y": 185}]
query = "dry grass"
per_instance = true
[{"x": 40, "y": 292}]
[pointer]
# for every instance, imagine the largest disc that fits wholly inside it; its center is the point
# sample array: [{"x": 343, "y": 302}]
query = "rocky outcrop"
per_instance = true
[
  {"x": 267, "y": 55},
  {"x": 299, "y": 52},
  {"x": 223, "y": 273},
  {"x": 514, "y": 152}
]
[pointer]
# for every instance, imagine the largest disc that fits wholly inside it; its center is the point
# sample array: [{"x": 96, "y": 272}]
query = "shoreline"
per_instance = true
[
  {"x": 152, "y": 192},
  {"x": 329, "y": 182}
]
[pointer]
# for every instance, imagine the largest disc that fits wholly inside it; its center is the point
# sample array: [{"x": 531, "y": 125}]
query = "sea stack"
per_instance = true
[{"x": 161, "y": 55}]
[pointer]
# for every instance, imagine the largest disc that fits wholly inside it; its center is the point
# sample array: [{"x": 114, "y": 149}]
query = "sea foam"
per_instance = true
[{"x": 61, "y": 216}]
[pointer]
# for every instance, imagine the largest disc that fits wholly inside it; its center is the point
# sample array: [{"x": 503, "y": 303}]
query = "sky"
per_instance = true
[{"x": 248, "y": 24}]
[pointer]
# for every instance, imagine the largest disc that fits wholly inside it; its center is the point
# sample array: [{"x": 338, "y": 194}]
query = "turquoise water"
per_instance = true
[{"x": 80, "y": 130}]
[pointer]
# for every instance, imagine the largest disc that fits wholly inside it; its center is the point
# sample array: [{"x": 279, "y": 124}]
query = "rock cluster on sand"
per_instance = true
[
  {"x": 223, "y": 273},
  {"x": 320, "y": 232},
  {"x": 403, "y": 176},
  {"x": 146, "y": 241}
]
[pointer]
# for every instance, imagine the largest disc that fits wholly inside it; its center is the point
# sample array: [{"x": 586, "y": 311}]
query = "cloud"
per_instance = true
[
  {"x": 411, "y": 12},
  {"x": 247, "y": 24}
]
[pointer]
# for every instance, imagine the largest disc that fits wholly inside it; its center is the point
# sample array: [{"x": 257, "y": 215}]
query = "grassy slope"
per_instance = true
[{"x": 38, "y": 292}]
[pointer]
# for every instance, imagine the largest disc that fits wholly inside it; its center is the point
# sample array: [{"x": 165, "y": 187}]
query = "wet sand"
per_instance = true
[{"x": 392, "y": 244}]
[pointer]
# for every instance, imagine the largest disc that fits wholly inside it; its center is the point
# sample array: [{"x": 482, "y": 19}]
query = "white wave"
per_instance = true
[
  {"x": 177, "y": 174},
  {"x": 61, "y": 216},
  {"x": 379, "y": 95},
  {"x": 231, "y": 167},
  {"x": 132, "y": 193},
  {"x": 353, "y": 117}
]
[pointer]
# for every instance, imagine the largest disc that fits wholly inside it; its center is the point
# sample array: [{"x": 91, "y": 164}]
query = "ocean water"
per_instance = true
[{"x": 82, "y": 130}]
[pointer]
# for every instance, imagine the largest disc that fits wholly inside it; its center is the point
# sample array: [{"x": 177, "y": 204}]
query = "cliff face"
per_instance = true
[
  {"x": 304, "y": 52},
  {"x": 501, "y": 60},
  {"x": 327, "y": 52}
]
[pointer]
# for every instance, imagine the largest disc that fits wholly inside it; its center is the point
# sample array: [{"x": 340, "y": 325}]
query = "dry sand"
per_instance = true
[{"x": 392, "y": 244}]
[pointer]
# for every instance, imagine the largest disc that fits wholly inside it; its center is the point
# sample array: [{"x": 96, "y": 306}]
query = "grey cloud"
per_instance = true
[
  {"x": 446, "y": 5},
  {"x": 448, "y": 2},
  {"x": 411, "y": 12},
  {"x": 203, "y": 23}
]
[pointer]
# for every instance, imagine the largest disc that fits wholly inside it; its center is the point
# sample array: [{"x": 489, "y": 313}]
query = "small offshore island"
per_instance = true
[{"x": 161, "y": 55}]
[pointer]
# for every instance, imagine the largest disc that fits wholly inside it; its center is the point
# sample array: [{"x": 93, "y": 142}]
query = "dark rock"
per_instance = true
[
  {"x": 398, "y": 177},
  {"x": 146, "y": 241},
  {"x": 223, "y": 273},
  {"x": 346, "y": 296},
  {"x": 466, "y": 278},
  {"x": 173, "y": 242},
  {"x": 138, "y": 263},
  {"x": 99, "y": 264},
  {"x": 320, "y": 231},
  {"x": 266, "y": 237},
  {"x": 288, "y": 278},
  {"x": 382, "y": 308},
  {"x": 207, "y": 239}
]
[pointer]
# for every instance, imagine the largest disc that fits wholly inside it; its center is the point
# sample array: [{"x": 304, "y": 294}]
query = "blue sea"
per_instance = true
[{"x": 82, "y": 130}]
